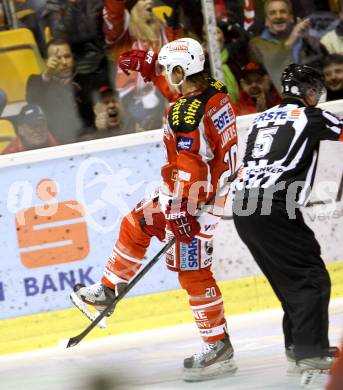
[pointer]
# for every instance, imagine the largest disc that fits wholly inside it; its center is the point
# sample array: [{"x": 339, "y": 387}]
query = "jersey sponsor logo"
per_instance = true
[
  {"x": 191, "y": 111},
  {"x": 225, "y": 100},
  {"x": 223, "y": 119},
  {"x": 175, "y": 112},
  {"x": 271, "y": 116},
  {"x": 211, "y": 111},
  {"x": 174, "y": 175},
  {"x": 173, "y": 216},
  {"x": 211, "y": 227},
  {"x": 185, "y": 111},
  {"x": 200, "y": 314},
  {"x": 203, "y": 324},
  {"x": 217, "y": 85},
  {"x": 207, "y": 262},
  {"x": 228, "y": 135},
  {"x": 184, "y": 143},
  {"x": 183, "y": 175},
  {"x": 170, "y": 255},
  {"x": 189, "y": 255},
  {"x": 295, "y": 114},
  {"x": 149, "y": 56},
  {"x": 178, "y": 46},
  {"x": 206, "y": 332}
]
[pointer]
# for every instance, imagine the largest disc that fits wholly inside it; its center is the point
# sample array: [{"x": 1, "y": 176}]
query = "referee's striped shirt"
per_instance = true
[{"x": 282, "y": 149}]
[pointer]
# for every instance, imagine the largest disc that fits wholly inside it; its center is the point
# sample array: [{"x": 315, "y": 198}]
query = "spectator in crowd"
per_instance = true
[
  {"x": 193, "y": 18},
  {"x": 283, "y": 42},
  {"x": 237, "y": 44},
  {"x": 109, "y": 116},
  {"x": 232, "y": 41},
  {"x": 322, "y": 22},
  {"x": 229, "y": 78},
  {"x": 333, "y": 76},
  {"x": 59, "y": 94},
  {"x": 132, "y": 25},
  {"x": 3, "y": 100},
  {"x": 32, "y": 130},
  {"x": 257, "y": 91},
  {"x": 29, "y": 16},
  {"x": 220, "y": 9},
  {"x": 303, "y": 8},
  {"x": 333, "y": 40},
  {"x": 80, "y": 22}
]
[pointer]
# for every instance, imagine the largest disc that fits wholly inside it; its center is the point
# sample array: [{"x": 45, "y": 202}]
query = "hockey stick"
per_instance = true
[{"x": 76, "y": 339}]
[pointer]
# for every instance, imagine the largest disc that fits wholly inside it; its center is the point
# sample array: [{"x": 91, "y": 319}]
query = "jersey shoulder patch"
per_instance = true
[
  {"x": 217, "y": 86},
  {"x": 185, "y": 115}
]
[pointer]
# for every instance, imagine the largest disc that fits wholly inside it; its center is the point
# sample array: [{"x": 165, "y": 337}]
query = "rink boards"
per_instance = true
[{"x": 60, "y": 210}]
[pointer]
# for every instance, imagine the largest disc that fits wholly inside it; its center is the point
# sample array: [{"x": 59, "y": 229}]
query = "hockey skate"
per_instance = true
[
  {"x": 214, "y": 360},
  {"x": 314, "y": 368},
  {"x": 294, "y": 368},
  {"x": 290, "y": 353},
  {"x": 96, "y": 296}
]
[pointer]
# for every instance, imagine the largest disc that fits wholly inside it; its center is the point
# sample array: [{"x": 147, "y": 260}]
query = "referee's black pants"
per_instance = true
[{"x": 288, "y": 254}]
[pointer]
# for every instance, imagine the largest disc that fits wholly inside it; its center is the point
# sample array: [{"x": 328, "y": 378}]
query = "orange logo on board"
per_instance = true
[{"x": 48, "y": 233}]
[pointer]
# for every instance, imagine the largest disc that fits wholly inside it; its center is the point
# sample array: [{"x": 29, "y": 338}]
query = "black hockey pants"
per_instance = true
[{"x": 288, "y": 254}]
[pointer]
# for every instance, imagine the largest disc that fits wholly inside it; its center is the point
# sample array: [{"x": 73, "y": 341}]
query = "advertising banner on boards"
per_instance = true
[{"x": 60, "y": 212}]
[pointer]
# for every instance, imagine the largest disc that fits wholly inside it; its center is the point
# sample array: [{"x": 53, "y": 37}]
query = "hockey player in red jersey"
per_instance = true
[{"x": 200, "y": 139}]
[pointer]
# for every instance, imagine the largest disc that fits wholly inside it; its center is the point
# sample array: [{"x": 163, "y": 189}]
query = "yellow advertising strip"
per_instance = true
[{"x": 141, "y": 313}]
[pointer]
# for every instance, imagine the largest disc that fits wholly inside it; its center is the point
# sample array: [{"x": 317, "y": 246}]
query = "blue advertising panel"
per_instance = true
[{"x": 60, "y": 218}]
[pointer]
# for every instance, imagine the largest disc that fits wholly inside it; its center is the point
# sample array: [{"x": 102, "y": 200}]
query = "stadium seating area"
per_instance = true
[
  {"x": 19, "y": 58},
  {"x": 26, "y": 29}
]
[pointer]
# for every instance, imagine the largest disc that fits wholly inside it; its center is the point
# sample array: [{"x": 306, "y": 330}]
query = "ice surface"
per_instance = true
[{"x": 153, "y": 359}]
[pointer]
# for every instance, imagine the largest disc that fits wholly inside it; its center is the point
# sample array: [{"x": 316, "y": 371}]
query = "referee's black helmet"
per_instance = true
[{"x": 297, "y": 80}]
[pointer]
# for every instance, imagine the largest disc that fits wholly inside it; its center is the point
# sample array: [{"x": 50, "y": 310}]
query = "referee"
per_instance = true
[{"x": 274, "y": 181}]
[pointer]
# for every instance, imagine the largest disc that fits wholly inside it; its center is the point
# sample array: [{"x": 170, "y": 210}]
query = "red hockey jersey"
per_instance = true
[{"x": 200, "y": 138}]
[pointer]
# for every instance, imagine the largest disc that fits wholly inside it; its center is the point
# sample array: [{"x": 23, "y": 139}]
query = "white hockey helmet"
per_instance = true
[{"x": 184, "y": 52}]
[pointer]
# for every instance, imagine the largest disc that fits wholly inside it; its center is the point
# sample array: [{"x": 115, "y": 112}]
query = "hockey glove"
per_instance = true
[
  {"x": 183, "y": 225},
  {"x": 140, "y": 61}
]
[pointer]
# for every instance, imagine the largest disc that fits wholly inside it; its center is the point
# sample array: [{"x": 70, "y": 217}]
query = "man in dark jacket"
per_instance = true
[
  {"x": 59, "y": 94},
  {"x": 80, "y": 22}
]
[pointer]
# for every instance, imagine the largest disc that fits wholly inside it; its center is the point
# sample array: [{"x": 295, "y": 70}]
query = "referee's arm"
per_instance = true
[{"x": 324, "y": 126}]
